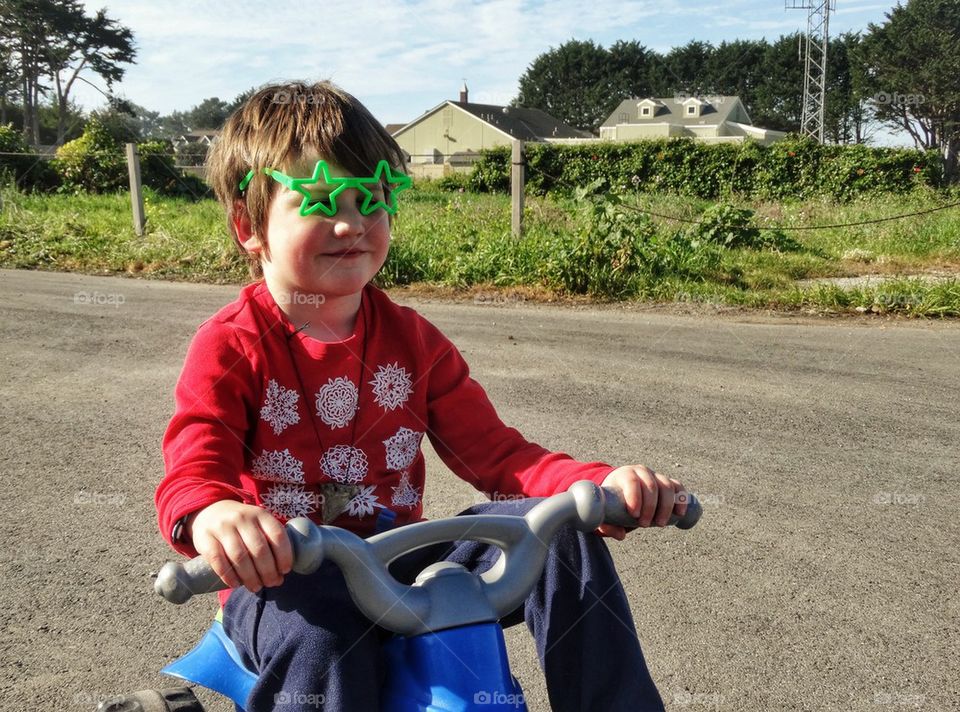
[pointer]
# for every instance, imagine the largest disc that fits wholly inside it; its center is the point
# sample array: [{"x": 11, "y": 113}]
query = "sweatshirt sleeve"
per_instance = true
[
  {"x": 470, "y": 438},
  {"x": 205, "y": 442}
]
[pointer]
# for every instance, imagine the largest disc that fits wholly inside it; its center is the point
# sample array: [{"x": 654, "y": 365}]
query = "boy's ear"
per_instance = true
[{"x": 243, "y": 230}]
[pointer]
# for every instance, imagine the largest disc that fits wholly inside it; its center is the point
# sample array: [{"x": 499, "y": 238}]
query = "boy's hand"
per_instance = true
[
  {"x": 649, "y": 497},
  {"x": 243, "y": 543}
]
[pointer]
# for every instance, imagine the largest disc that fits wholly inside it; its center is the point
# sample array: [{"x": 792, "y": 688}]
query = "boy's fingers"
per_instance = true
[
  {"x": 665, "y": 500},
  {"x": 612, "y": 531},
  {"x": 214, "y": 555},
  {"x": 681, "y": 498},
  {"x": 261, "y": 556},
  {"x": 239, "y": 557},
  {"x": 276, "y": 535},
  {"x": 650, "y": 496},
  {"x": 632, "y": 496}
]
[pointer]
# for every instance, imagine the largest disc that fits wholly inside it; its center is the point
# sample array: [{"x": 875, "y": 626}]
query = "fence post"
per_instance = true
[
  {"x": 518, "y": 166},
  {"x": 136, "y": 194}
]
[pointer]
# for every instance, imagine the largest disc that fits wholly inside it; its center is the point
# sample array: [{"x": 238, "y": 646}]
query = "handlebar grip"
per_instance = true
[
  {"x": 615, "y": 512},
  {"x": 178, "y": 582}
]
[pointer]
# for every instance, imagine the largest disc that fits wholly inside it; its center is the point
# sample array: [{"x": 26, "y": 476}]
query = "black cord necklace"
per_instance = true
[{"x": 356, "y": 414}]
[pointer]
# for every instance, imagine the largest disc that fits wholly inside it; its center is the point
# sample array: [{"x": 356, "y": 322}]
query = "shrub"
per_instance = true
[
  {"x": 27, "y": 171},
  {"x": 97, "y": 163},
  {"x": 93, "y": 163},
  {"x": 454, "y": 182},
  {"x": 792, "y": 168}
]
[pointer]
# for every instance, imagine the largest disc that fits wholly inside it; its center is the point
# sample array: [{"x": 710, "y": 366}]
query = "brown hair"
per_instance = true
[{"x": 278, "y": 125}]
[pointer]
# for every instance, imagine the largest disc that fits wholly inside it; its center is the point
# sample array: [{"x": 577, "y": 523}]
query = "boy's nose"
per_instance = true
[{"x": 349, "y": 222}]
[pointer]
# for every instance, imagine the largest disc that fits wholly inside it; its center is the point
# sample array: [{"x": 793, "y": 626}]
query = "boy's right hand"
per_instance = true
[{"x": 244, "y": 544}]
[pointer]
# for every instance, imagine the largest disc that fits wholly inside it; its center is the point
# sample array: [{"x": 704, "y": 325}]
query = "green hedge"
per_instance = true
[
  {"x": 28, "y": 171},
  {"x": 792, "y": 168},
  {"x": 96, "y": 163}
]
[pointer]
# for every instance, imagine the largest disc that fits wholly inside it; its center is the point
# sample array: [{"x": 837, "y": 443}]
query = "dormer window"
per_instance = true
[
  {"x": 693, "y": 107},
  {"x": 644, "y": 111}
]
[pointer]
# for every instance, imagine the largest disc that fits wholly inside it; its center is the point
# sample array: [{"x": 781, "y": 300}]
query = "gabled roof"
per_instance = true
[
  {"x": 517, "y": 122},
  {"x": 714, "y": 110}
]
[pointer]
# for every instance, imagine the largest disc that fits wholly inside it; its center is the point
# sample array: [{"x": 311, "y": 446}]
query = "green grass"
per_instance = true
[{"x": 463, "y": 240}]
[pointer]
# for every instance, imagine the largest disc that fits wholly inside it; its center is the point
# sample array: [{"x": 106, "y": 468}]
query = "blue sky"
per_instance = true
[{"x": 405, "y": 57}]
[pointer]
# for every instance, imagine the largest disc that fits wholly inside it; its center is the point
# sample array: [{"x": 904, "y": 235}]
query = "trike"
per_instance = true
[{"x": 448, "y": 611}]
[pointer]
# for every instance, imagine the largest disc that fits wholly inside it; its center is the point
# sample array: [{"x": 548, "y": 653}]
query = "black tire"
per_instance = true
[{"x": 175, "y": 699}]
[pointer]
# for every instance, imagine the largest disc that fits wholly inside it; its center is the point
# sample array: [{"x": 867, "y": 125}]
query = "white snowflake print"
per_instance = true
[
  {"x": 405, "y": 495},
  {"x": 289, "y": 501},
  {"x": 392, "y": 386},
  {"x": 277, "y": 466},
  {"x": 337, "y": 402},
  {"x": 280, "y": 407},
  {"x": 402, "y": 448},
  {"x": 345, "y": 464},
  {"x": 363, "y": 503}
]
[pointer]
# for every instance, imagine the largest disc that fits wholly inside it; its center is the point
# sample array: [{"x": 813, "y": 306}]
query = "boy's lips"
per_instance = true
[{"x": 344, "y": 253}]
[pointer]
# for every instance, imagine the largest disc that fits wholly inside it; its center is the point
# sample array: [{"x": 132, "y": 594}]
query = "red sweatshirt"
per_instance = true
[{"x": 269, "y": 416}]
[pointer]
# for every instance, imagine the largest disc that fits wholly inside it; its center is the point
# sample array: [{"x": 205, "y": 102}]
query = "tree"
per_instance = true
[
  {"x": 911, "y": 65},
  {"x": 570, "y": 83},
  {"x": 630, "y": 65},
  {"x": 81, "y": 42},
  {"x": 208, "y": 114},
  {"x": 54, "y": 41},
  {"x": 681, "y": 71},
  {"x": 778, "y": 98},
  {"x": 8, "y": 80}
]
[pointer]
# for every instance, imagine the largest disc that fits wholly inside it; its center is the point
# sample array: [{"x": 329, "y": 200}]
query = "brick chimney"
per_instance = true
[{"x": 463, "y": 93}]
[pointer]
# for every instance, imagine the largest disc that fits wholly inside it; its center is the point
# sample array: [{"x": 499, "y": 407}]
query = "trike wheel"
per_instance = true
[{"x": 175, "y": 699}]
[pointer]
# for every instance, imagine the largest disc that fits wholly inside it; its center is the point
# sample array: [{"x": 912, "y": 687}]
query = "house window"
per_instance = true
[
  {"x": 691, "y": 110},
  {"x": 645, "y": 111}
]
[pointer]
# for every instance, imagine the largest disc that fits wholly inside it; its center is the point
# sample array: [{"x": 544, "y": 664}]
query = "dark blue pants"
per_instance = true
[{"x": 315, "y": 651}]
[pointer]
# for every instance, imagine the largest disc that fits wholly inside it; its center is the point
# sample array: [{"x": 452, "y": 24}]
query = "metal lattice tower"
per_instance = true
[{"x": 815, "y": 63}]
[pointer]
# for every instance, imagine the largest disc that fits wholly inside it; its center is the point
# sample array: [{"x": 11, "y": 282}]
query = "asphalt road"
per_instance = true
[{"x": 823, "y": 575}]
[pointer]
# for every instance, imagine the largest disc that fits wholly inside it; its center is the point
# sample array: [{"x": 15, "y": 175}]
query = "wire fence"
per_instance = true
[{"x": 176, "y": 172}]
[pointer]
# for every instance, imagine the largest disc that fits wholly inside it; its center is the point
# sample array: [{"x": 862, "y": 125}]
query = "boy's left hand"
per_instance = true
[{"x": 649, "y": 496}]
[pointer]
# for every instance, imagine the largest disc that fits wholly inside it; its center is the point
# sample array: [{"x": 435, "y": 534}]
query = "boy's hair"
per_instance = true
[{"x": 278, "y": 125}]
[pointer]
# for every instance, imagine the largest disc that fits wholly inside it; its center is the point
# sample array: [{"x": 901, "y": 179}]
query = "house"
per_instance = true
[
  {"x": 191, "y": 147},
  {"x": 714, "y": 119},
  {"x": 203, "y": 137},
  {"x": 450, "y": 136}
]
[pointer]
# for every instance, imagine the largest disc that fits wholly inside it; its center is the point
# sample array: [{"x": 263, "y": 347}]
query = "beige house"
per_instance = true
[
  {"x": 450, "y": 136},
  {"x": 713, "y": 119}
]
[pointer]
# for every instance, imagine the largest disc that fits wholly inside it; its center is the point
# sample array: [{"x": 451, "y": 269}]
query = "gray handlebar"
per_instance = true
[{"x": 444, "y": 595}]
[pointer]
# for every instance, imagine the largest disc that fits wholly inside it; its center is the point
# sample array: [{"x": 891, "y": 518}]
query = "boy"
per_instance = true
[{"x": 310, "y": 395}]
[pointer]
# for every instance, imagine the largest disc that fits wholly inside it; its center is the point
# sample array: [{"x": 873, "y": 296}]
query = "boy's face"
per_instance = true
[{"x": 316, "y": 254}]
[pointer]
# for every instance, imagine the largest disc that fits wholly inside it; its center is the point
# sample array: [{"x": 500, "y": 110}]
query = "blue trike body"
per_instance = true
[{"x": 458, "y": 669}]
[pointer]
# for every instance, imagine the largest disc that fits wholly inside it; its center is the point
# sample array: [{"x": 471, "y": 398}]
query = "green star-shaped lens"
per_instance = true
[{"x": 331, "y": 186}]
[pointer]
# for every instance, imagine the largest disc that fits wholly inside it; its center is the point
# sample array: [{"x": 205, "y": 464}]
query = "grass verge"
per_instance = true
[{"x": 600, "y": 247}]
